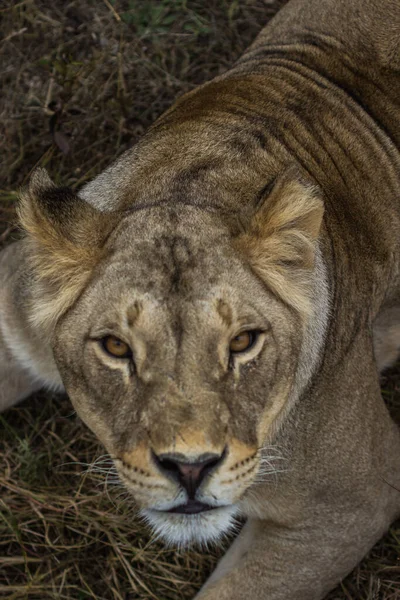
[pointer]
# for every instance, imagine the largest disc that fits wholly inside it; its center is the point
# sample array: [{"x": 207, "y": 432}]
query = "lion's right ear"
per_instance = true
[
  {"x": 280, "y": 239},
  {"x": 66, "y": 237}
]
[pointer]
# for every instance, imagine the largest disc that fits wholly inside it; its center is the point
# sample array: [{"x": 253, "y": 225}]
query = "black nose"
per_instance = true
[{"x": 189, "y": 474}]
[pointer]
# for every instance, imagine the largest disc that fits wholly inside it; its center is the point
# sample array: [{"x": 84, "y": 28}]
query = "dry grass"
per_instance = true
[{"x": 81, "y": 80}]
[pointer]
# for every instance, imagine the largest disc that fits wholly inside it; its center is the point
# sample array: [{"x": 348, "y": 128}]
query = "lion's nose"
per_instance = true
[{"x": 189, "y": 474}]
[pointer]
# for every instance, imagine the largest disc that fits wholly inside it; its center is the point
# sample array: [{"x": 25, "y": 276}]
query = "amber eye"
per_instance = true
[
  {"x": 244, "y": 341},
  {"x": 116, "y": 347}
]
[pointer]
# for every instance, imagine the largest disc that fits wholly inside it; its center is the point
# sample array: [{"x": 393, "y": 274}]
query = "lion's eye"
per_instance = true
[
  {"x": 244, "y": 341},
  {"x": 116, "y": 347}
]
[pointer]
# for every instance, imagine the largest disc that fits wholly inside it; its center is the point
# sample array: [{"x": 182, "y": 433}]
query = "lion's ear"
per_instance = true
[
  {"x": 66, "y": 237},
  {"x": 280, "y": 240}
]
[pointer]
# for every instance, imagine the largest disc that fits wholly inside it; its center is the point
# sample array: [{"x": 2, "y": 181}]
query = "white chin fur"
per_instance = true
[{"x": 186, "y": 530}]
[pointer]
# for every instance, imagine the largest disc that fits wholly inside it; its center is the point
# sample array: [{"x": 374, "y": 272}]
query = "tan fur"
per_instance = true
[
  {"x": 280, "y": 242},
  {"x": 62, "y": 264},
  {"x": 387, "y": 337},
  {"x": 137, "y": 458},
  {"x": 266, "y": 200},
  {"x": 241, "y": 453}
]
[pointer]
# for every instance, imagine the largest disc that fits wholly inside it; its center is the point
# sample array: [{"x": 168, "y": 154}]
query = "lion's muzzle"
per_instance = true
[{"x": 189, "y": 474}]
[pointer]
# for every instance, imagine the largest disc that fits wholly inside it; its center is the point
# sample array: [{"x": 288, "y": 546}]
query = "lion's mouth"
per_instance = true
[{"x": 191, "y": 507}]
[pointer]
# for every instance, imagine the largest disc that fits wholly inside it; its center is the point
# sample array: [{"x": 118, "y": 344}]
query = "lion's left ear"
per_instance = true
[
  {"x": 280, "y": 241},
  {"x": 66, "y": 238}
]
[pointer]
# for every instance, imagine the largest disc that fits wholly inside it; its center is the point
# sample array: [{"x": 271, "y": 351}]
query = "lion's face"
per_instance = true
[
  {"x": 201, "y": 367},
  {"x": 180, "y": 335}
]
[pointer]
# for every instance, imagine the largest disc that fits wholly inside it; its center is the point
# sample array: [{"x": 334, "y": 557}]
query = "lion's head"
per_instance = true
[{"x": 182, "y": 333}]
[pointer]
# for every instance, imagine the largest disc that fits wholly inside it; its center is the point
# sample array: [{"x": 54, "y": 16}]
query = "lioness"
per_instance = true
[{"x": 219, "y": 302}]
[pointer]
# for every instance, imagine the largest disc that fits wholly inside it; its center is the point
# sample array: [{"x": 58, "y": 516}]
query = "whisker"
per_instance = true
[{"x": 270, "y": 464}]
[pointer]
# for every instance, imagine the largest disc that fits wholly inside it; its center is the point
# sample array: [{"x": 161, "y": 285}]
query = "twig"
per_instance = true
[
  {"x": 13, "y": 34},
  {"x": 114, "y": 12},
  {"x": 5, "y": 233}
]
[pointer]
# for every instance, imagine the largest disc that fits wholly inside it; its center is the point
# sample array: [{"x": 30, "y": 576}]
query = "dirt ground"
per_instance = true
[{"x": 81, "y": 80}]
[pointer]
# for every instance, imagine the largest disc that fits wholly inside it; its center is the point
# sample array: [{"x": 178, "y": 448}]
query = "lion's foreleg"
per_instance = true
[
  {"x": 26, "y": 360},
  {"x": 271, "y": 562},
  {"x": 16, "y": 383}
]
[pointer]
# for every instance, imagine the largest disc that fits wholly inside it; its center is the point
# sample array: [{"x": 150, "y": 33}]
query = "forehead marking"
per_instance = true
[
  {"x": 180, "y": 253},
  {"x": 133, "y": 313},
  {"x": 225, "y": 312}
]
